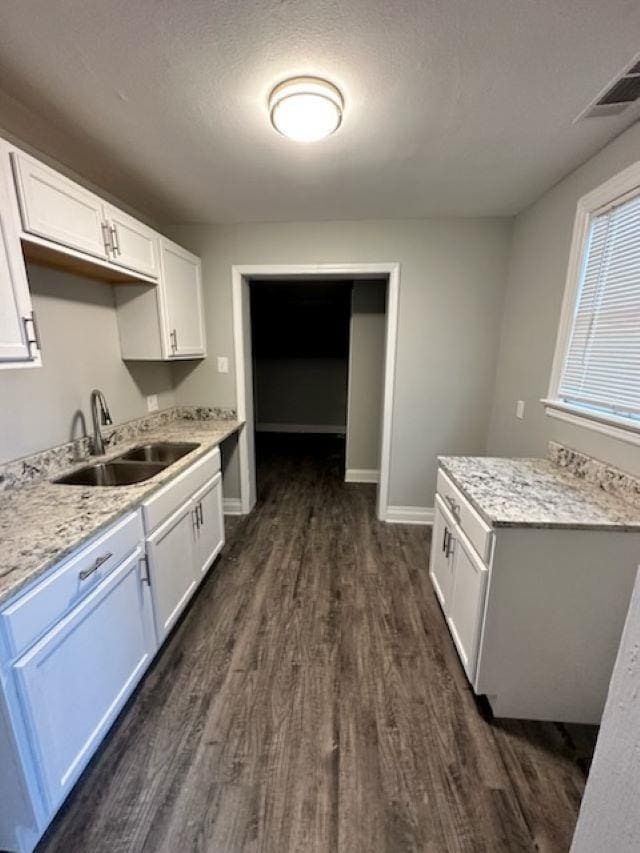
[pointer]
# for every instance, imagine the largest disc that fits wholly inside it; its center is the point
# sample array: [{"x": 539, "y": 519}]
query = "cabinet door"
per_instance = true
[
  {"x": 210, "y": 529},
  {"x": 15, "y": 300},
  {"x": 171, "y": 555},
  {"x": 440, "y": 568},
  {"x": 73, "y": 683},
  {"x": 53, "y": 207},
  {"x": 133, "y": 245},
  {"x": 182, "y": 302},
  {"x": 467, "y": 602}
]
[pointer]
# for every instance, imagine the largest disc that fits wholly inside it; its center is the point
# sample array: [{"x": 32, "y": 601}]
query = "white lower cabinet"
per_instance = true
[
  {"x": 464, "y": 610},
  {"x": 210, "y": 523},
  {"x": 170, "y": 551},
  {"x": 536, "y": 614},
  {"x": 440, "y": 569},
  {"x": 75, "y": 643},
  {"x": 181, "y": 548},
  {"x": 76, "y": 679},
  {"x": 458, "y": 577}
]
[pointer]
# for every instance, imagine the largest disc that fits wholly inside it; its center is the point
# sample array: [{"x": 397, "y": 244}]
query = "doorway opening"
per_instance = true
[
  {"x": 248, "y": 373},
  {"x": 300, "y": 354}
]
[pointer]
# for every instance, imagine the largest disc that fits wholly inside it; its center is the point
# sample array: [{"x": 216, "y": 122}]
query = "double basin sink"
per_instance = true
[{"x": 134, "y": 466}]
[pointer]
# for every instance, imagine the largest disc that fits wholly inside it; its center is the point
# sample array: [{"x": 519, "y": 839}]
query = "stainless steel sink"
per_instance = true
[
  {"x": 117, "y": 473},
  {"x": 161, "y": 452}
]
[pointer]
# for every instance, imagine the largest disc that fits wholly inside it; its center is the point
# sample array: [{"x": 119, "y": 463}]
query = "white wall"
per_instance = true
[
  {"x": 537, "y": 271},
  {"x": 366, "y": 372},
  {"x": 81, "y": 351},
  {"x": 609, "y": 815},
  {"x": 451, "y": 292}
]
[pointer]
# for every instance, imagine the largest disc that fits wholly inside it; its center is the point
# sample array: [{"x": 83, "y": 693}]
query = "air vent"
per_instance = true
[{"x": 619, "y": 94}]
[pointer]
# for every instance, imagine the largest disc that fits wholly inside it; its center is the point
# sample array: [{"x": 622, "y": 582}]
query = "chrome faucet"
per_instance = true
[{"x": 98, "y": 400}]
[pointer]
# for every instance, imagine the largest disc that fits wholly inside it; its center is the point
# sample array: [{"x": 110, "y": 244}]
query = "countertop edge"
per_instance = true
[{"x": 534, "y": 525}]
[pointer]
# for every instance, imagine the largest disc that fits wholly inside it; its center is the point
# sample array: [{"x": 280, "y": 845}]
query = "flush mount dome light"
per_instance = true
[{"x": 306, "y": 108}]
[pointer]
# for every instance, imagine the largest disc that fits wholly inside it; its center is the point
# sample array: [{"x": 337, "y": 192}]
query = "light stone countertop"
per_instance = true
[
  {"x": 42, "y": 522},
  {"x": 537, "y": 493}
]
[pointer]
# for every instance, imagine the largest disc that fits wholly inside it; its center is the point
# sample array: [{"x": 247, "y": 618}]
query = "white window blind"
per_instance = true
[{"x": 601, "y": 369}]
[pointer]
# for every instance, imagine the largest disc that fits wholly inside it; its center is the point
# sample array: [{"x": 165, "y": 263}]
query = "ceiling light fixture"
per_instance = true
[{"x": 306, "y": 108}]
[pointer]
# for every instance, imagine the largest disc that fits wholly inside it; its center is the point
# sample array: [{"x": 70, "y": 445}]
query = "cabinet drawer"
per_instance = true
[
  {"x": 170, "y": 497},
  {"x": 476, "y": 529},
  {"x": 39, "y": 608}
]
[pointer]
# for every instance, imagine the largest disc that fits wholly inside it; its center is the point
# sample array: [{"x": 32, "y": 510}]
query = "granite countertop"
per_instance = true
[
  {"x": 42, "y": 522},
  {"x": 537, "y": 493}
]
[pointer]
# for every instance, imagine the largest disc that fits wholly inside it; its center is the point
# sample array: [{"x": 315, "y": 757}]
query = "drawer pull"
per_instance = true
[
  {"x": 445, "y": 537},
  {"x": 85, "y": 573}
]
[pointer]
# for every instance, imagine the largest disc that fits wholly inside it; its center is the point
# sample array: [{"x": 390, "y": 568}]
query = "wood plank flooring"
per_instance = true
[{"x": 311, "y": 700}]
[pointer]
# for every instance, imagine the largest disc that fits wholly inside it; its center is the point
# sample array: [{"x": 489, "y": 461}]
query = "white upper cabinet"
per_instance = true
[
  {"x": 164, "y": 323},
  {"x": 58, "y": 211},
  {"x": 52, "y": 220},
  {"x": 131, "y": 244},
  {"x": 54, "y": 208},
  {"x": 182, "y": 296},
  {"x": 18, "y": 334}
]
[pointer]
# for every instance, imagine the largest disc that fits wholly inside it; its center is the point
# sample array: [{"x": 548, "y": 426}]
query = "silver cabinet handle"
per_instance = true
[
  {"x": 201, "y": 513},
  {"x": 450, "y": 545},
  {"x": 173, "y": 337},
  {"x": 115, "y": 240},
  {"x": 33, "y": 339},
  {"x": 144, "y": 560},
  {"x": 445, "y": 539},
  {"x": 106, "y": 238},
  {"x": 85, "y": 573},
  {"x": 195, "y": 518}
]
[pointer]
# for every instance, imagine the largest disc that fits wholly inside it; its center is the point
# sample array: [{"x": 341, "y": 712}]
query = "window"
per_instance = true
[{"x": 596, "y": 374}]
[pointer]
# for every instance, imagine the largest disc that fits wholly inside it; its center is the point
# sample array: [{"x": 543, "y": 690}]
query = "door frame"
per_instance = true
[{"x": 241, "y": 275}]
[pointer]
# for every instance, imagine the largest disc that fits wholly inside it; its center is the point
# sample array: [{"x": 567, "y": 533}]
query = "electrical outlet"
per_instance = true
[
  {"x": 520, "y": 409},
  {"x": 152, "y": 402},
  {"x": 223, "y": 364}
]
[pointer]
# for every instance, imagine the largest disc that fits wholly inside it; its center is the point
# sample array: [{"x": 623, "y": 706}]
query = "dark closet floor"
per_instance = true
[{"x": 311, "y": 700}]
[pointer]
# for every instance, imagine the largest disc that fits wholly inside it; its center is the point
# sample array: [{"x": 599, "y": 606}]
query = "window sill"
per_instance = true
[{"x": 610, "y": 425}]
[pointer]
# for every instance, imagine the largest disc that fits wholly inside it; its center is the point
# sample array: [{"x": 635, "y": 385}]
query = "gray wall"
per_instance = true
[
  {"x": 308, "y": 391},
  {"x": 538, "y": 266},
  {"x": 609, "y": 815},
  {"x": 81, "y": 351},
  {"x": 453, "y": 275},
  {"x": 366, "y": 374}
]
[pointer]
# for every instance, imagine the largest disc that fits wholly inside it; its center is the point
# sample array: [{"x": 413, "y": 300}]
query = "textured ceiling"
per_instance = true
[{"x": 453, "y": 107}]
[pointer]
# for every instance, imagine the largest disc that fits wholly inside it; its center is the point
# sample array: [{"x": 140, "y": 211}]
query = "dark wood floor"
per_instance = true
[{"x": 311, "y": 700}]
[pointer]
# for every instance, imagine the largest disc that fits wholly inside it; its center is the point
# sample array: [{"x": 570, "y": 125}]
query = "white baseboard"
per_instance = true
[
  {"x": 409, "y": 514},
  {"x": 304, "y": 428},
  {"x": 232, "y": 506},
  {"x": 362, "y": 475}
]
